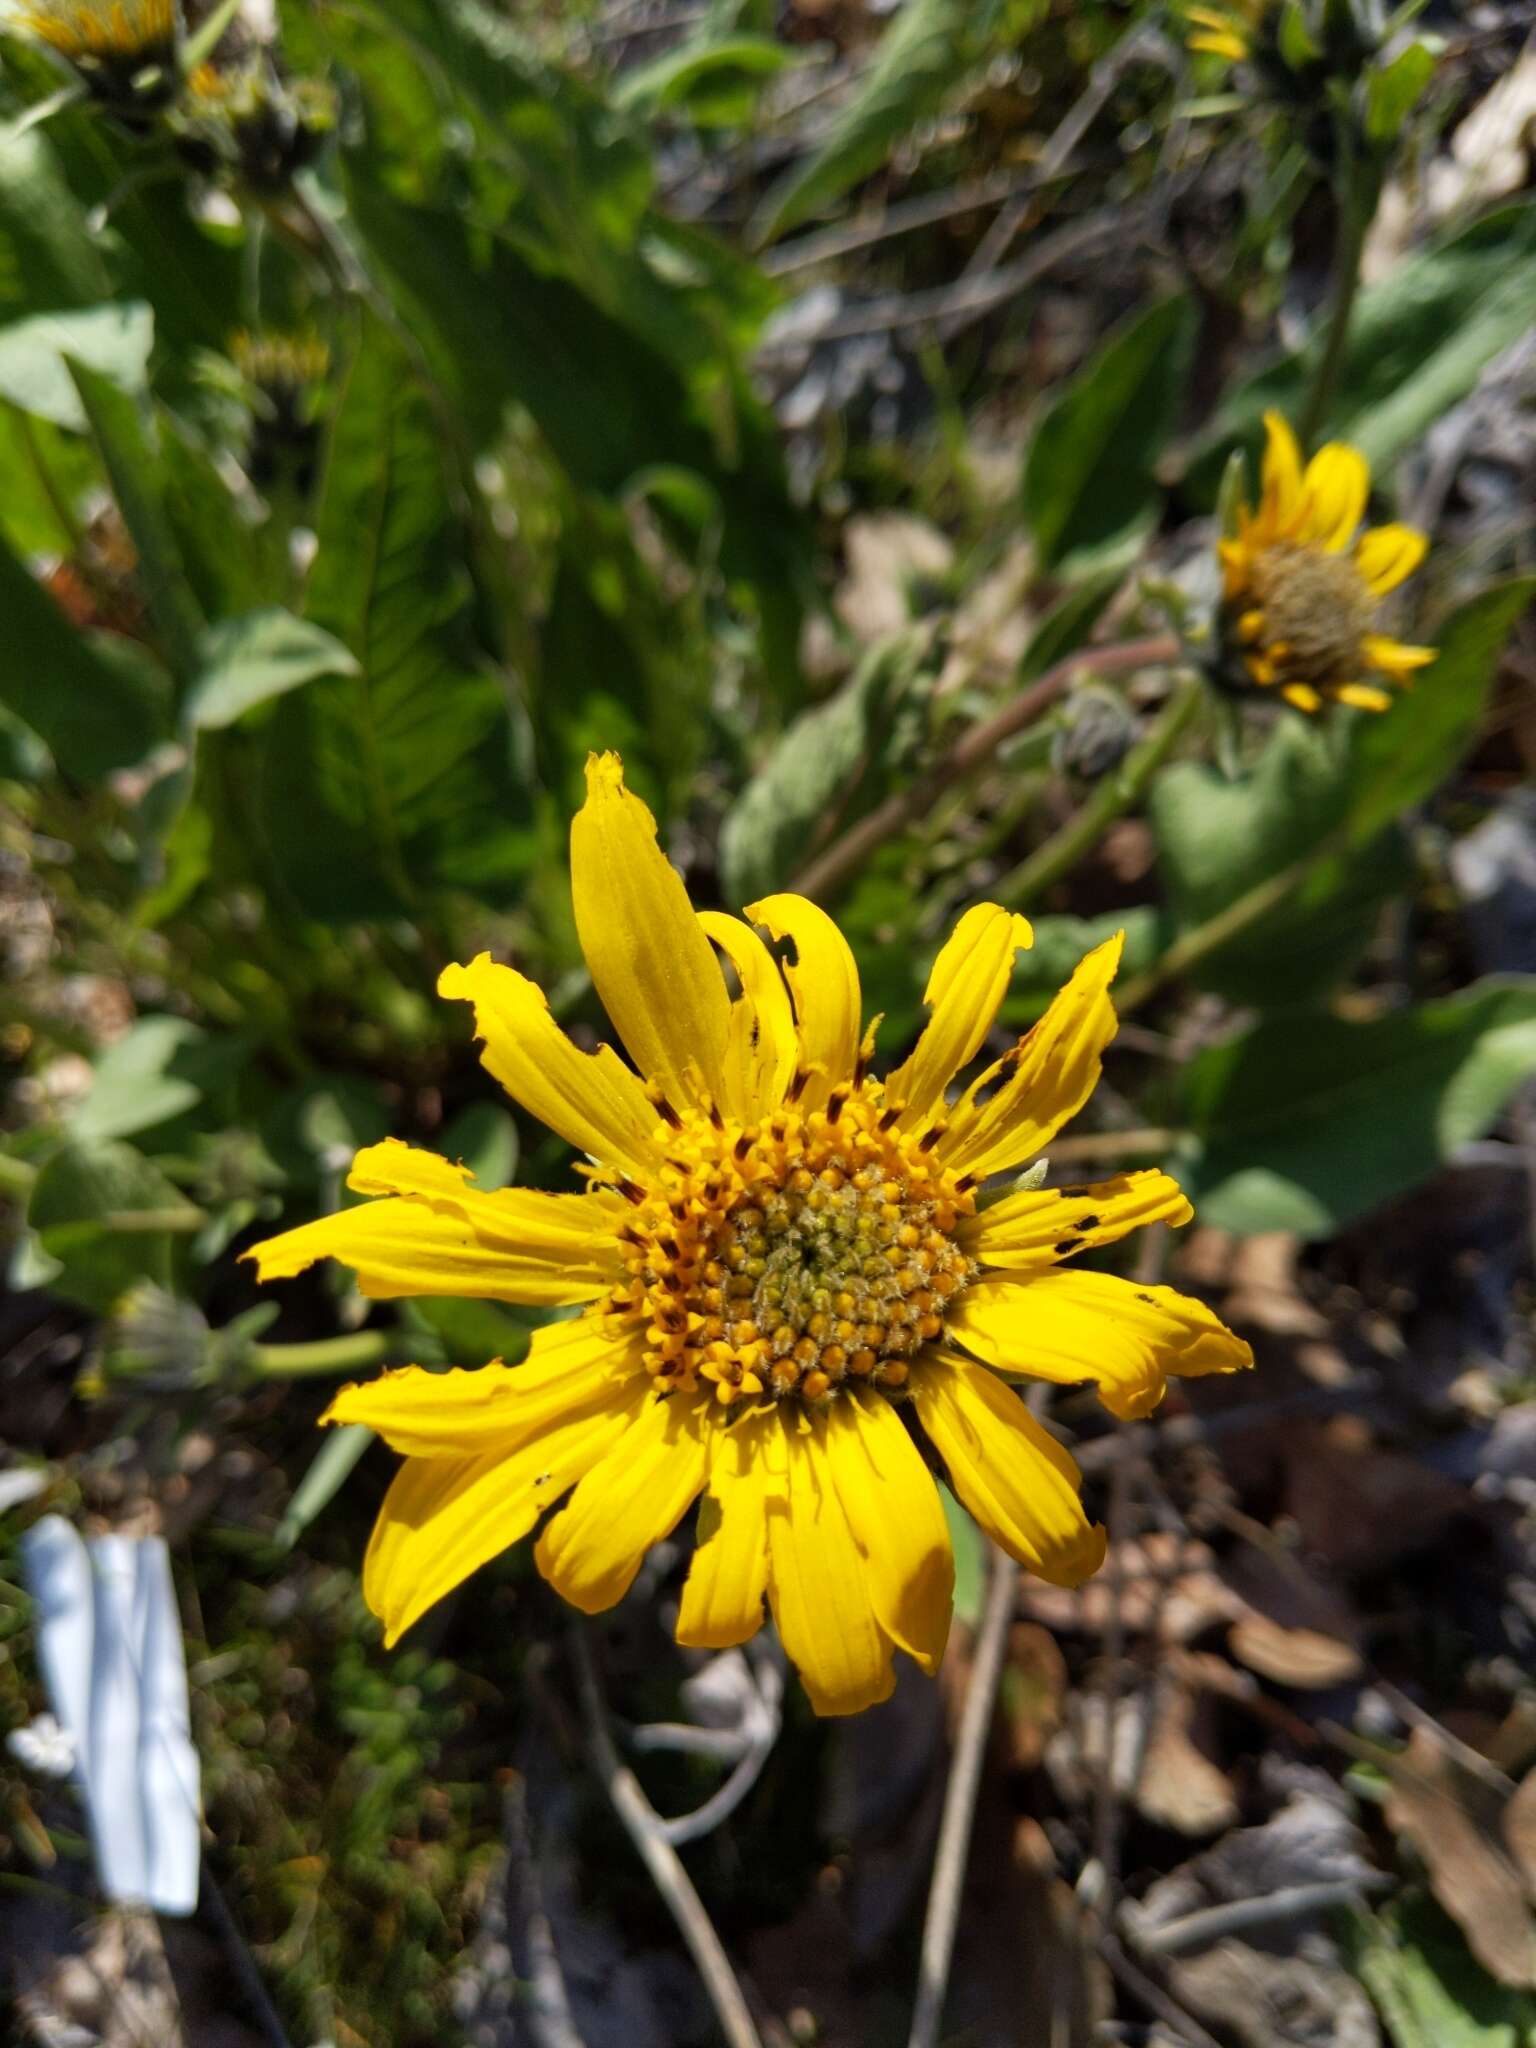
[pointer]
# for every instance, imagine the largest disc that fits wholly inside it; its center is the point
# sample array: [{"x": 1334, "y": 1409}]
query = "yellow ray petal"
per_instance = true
[
  {"x": 1388, "y": 555},
  {"x": 825, "y": 985},
  {"x": 1075, "y": 1326},
  {"x": 444, "y": 1238},
  {"x": 968, "y": 982},
  {"x": 1015, "y": 1478},
  {"x": 1334, "y": 489},
  {"x": 893, "y": 1509},
  {"x": 723, "y": 1597},
  {"x": 1302, "y": 696},
  {"x": 1033, "y": 1229},
  {"x": 1362, "y": 697},
  {"x": 763, "y": 1047},
  {"x": 653, "y": 969},
  {"x": 444, "y": 1517},
  {"x": 1019, "y": 1104},
  {"x": 1392, "y": 657},
  {"x": 1220, "y": 43},
  {"x": 1280, "y": 499},
  {"x": 591, "y": 1099},
  {"x": 592, "y": 1549},
  {"x": 454, "y": 1414},
  {"x": 818, "y": 1585}
]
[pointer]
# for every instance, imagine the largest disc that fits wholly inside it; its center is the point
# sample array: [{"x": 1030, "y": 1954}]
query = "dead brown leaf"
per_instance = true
[
  {"x": 1179, "y": 1786},
  {"x": 1153, "y": 1744},
  {"x": 1276, "y": 2001},
  {"x": 1163, "y": 1584},
  {"x": 1294, "y": 1629},
  {"x": 1457, "y": 1822}
]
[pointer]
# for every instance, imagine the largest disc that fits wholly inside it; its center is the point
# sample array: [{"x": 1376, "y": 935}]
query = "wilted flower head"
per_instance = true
[
  {"x": 253, "y": 123},
  {"x": 1302, "y": 582},
  {"x": 792, "y": 1300},
  {"x": 284, "y": 374},
  {"x": 125, "y": 50},
  {"x": 280, "y": 366}
]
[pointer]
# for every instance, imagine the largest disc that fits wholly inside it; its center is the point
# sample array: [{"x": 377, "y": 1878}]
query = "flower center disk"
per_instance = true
[
  {"x": 788, "y": 1260},
  {"x": 1316, "y": 608}
]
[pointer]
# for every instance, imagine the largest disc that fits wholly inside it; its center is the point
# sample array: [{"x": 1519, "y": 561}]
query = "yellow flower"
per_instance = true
[
  {"x": 787, "y": 1286},
  {"x": 106, "y": 34},
  {"x": 1302, "y": 581},
  {"x": 1224, "y": 31}
]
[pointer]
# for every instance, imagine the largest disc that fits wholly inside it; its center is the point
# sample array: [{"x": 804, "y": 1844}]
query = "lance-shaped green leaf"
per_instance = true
[
  {"x": 1089, "y": 475},
  {"x": 381, "y": 786},
  {"x": 1402, "y": 756},
  {"x": 96, "y": 702},
  {"x": 249, "y": 660},
  {"x": 35, "y": 356},
  {"x": 925, "y": 52},
  {"x": 1309, "y": 1120},
  {"x": 124, "y": 438},
  {"x": 1418, "y": 342}
]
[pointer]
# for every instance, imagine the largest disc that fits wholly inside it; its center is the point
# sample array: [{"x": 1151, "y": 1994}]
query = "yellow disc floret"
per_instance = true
[{"x": 787, "y": 1259}]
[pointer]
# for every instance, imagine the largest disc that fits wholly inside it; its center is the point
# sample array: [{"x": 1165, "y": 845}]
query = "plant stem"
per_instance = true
[
  {"x": 1357, "y": 192},
  {"x": 328, "y": 1354},
  {"x": 1226, "y": 925},
  {"x": 824, "y": 875},
  {"x": 644, "y": 1826},
  {"x": 960, "y": 1805},
  {"x": 1114, "y": 796}
]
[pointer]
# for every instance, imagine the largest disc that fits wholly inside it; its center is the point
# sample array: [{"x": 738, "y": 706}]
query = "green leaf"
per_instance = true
[
  {"x": 712, "y": 84},
  {"x": 1306, "y": 1122},
  {"x": 329, "y": 1470},
  {"x": 1088, "y": 477},
  {"x": 1218, "y": 837},
  {"x": 470, "y": 1332},
  {"x": 504, "y": 331},
  {"x": 94, "y": 710},
  {"x": 970, "y": 1549},
  {"x": 1392, "y": 90},
  {"x": 483, "y": 1137},
  {"x": 1401, "y": 757},
  {"x": 1298, "y": 45},
  {"x": 828, "y": 763},
  {"x": 1427, "y": 1986},
  {"x": 83, "y": 1209},
  {"x": 48, "y": 258},
  {"x": 35, "y": 354},
  {"x": 122, "y": 433},
  {"x": 250, "y": 660},
  {"x": 218, "y": 544},
  {"x": 382, "y": 786},
  {"x": 1067, "y": 624},
  {"x": 1060, "y": 944},
  {"x": 141, "y": 1080},
  {"x": 316, "y": 1130},
  {"x": 1418, "y": 342},
  {"x": 925, "y": 52}
]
